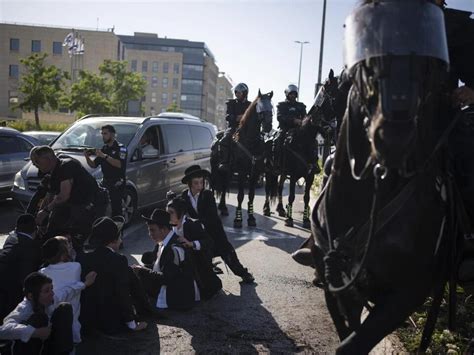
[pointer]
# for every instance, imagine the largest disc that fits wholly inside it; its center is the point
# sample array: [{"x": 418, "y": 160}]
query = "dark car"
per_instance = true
[
  {"x": 44, "y": 137},
  {"x": 14, "y": 149}
]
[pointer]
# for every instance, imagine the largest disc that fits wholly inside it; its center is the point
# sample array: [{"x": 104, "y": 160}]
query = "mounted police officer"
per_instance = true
[
  {"x": 113, "y": 159},
  {"x": 235, "y": 110},
  {"x": 290, "y": 114}
]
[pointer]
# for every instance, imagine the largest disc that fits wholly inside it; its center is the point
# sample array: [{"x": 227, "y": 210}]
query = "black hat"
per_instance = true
[
  {"x": 194, "y": 171},
  {"x": 25, "y": 223},
  {"x": 106, "y": 230},
  {"x": 159, "y": 217}
]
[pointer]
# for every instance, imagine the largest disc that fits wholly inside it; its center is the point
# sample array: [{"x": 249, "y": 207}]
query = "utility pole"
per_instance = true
[{"x": 321, "y": 49}]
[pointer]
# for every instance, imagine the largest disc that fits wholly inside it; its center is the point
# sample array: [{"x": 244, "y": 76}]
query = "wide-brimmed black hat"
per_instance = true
[
  {"x": 194, "y": 171},
  {"x": 159, "y": 217},
  {"x": 105, "y": 230}
]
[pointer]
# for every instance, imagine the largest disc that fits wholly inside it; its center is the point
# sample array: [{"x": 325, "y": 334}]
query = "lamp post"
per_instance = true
[
  {"x": 321, "y": 49},
  {"x": 301, "y": 59}
]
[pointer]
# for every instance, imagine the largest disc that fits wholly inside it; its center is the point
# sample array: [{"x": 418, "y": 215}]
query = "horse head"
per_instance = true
[
  {"x": 322, "y": 112},
  {"x": 397, "y": 71},
  {"x": 265, "y": 110}
]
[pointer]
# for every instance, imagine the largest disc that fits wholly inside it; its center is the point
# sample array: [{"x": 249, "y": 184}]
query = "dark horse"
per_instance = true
[
  {"x": 300, "y": 158},
  {"x": 380, "y": 223},
  {"x": 247, "y": 156}
]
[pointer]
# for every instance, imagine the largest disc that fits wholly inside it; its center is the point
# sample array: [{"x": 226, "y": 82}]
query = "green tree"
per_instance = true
[
  {"x": 41, "y": 85},
  {"x": 106, "y": 92},
  {"x": 173, "y": 107}
]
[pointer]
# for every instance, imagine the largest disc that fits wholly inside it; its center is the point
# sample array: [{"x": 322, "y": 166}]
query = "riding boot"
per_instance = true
[
  {"x": 289, "y": 215},
  {"x": 306, "y": 220},
  {"x": 251, "y": 219},
  {"x": 238, "y": 218},
  {"x": 237, "y": 268},
  {"x": 224, "y": 152}
]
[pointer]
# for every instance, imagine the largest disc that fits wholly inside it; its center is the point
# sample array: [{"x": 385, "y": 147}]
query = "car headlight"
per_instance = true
[{"x": 19, "y": 182}]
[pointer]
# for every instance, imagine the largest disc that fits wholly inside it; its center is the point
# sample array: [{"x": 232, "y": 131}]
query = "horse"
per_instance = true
[
  {"x": 300, "y": 153},
  {"x": 247, "y": 156},
  {"x": 380, "y": 226}
]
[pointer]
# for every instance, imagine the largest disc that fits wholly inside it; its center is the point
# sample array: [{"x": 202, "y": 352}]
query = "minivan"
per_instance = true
[{"x": 180, "y": 140}]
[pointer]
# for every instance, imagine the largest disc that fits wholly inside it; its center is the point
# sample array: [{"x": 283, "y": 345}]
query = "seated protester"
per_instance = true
[
  {"x": 39, "y": 324},
  {"x": 170, "y": 283},
  {"x": 108, "y": 304},
  {"x": 66, "y": 275},
  {"x": 20, "y": 256},
  {"x": 201, "y": 204},
  {"x": 192, "y": 236}
]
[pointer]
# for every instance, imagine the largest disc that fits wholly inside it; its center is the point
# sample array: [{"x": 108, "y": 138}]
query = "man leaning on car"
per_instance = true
[{"x": 112, "y": 158}]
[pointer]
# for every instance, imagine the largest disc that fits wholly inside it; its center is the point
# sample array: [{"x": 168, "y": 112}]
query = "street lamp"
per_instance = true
[
  {"x": 301, "y": 59},
  {"x": 321, "y": 49}
]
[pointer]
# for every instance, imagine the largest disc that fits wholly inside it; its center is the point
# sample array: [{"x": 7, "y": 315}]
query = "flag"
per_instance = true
[{"x": 68, "y": 39}]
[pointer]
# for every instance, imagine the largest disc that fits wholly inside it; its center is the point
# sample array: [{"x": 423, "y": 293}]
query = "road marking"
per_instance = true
[{"x": 258, "y": 234}]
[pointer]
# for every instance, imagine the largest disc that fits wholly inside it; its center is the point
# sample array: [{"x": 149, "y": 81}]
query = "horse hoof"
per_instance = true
[
  {"x": 289, "y": 222},
  {"x": 251, "y": 222},
  {"x": 266, "y": 212},
  {"x": 306, "y": 223},
  {"x": 224, "y": 212},
  {"x": 237, "y": 223},
  {"x": 281, "y": 211}
]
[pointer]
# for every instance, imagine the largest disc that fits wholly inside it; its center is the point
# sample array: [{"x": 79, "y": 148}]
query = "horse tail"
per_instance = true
[{"x": 271, "y": 185}]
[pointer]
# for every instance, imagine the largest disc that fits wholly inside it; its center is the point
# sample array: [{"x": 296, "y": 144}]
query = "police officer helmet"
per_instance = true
[
  {"x": 242, "y": 87},
  {"x": 291, "y": 88}
]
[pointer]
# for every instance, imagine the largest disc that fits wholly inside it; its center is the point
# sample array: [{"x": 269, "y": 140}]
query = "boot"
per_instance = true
[
  {"x": 237, "y": 268},
  {"x": 251, "y": 219},
  {"x": 224, "y": 157}
]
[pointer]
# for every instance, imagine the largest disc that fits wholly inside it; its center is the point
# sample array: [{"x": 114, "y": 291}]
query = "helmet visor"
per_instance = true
[{"x": 395, "y": 27}]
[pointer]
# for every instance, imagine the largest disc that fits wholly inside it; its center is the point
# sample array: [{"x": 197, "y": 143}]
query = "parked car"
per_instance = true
[
  {"x": 180, "y": 140},
  {"x": 14, "y": 149},
  {"x": 44, "y": 137}
]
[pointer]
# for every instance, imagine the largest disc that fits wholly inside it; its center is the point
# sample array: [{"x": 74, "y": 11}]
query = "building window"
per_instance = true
[
  {"x": 57, "y": 48},
  {"x": 176, "y": 68},
  {"x": 175, "y": 97},
  {"x": 165, "y": 83},
  {"x": 153, "y": 94},
  {"x": 35, "y": 46},
  {"x": 14, "y": 44},
  {"x": 154, "y": 67},
  {"x": 175, "y": 83},
  {"x": 164, "y": 98},
  {"x": 133, "y": 65},
  {"x": 153, "y": 99},
  {"x": 154, "y": 81},
  {"x": 144, "y": 66},
  {"x": 12, "y": 97},
  {"x": 191, "y": 86},
  {"x": 13, "y": 71},
  {"x": 165, "y": 67}
]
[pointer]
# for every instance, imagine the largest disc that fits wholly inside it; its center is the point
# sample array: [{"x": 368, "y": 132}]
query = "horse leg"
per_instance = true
[
  {"x": 251, "y": 222},
  {"x": 222, "y": 203},
  {"x": 307, "y": 188},
  {"x": 289, "y": 207},
  {"x": 240, "y": 198},
  {"x": 383, "y": 319},
  {"x": 268, "y": 193},
  {"x": 280, "y": 209}
]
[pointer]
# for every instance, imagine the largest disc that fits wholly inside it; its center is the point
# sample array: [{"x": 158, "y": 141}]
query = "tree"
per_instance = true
[
  {"x": 173, "y": 107},
  {"x": 41, "y": 85},
  {"x": 108, "y": 92}
]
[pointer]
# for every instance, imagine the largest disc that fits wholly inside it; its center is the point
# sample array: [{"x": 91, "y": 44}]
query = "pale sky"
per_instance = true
[{"x": 252, "y": 41}]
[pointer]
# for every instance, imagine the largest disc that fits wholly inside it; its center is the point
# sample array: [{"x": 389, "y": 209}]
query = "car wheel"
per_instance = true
[{"x": 129, "y": 206}]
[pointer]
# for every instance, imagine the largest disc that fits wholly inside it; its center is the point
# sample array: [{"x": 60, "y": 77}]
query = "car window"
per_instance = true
[
  {"x": 87, "y": 133},
  {"x": 178, "y": 138},
  {"x": 24, "y": 145},
  {"x": 202, "y": 137},
  {"x": 9, "y": 145}
]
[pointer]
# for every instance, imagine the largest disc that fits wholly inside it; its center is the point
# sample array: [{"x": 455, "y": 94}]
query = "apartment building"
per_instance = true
[{"x": 224, "y": 93}]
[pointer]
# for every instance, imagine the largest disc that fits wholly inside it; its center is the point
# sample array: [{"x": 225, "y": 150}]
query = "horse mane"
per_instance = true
[{"x": 248, "y": 113}]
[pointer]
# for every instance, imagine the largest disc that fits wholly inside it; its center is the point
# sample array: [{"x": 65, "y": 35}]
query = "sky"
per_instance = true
[{"x": 252, "y": 41}]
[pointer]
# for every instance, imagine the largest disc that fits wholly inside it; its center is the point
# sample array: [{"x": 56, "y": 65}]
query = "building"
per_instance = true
[
  {"x": 176, "y": 70},
  {"x": 19, "y": 41},
  {"x": 224, "y": 93}
]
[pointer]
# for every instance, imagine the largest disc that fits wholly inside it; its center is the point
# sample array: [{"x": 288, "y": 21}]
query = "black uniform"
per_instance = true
[
  {"x": 114, "y": 178},
  {"x": 235, "y": 108},
  {"x": 78, "y": 212}
]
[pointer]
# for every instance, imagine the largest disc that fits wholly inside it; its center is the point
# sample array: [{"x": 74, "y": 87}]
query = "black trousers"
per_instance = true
[
  {"x": 75, "y": 218},
  {"x": 116, "y": 193},
  {"x": 150, "y": 281},
  {"x": 59, "y": 342}
]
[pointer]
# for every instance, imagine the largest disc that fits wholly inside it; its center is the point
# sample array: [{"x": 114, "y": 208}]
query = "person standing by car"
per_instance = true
[{"x": 113, "y": 159}]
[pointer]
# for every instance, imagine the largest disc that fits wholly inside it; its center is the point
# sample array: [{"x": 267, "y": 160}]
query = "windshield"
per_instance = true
[{"x": 87, "y": 135}]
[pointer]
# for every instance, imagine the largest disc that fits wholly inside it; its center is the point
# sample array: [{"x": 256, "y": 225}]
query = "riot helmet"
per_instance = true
[
  {"x": 242, "y": 88},
  {"x": 291, "y": 88}
]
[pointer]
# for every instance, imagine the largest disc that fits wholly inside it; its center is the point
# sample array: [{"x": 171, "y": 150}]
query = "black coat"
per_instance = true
[
  {"x": 19, "y": 257},
  {"x": 107, "y": 304},
  {"x": 208, "y": 216}
]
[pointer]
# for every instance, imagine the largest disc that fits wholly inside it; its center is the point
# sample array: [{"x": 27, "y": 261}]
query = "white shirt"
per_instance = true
[
  {"x": 66, "y": 275},
  {"x": 180, "y": 232},
  {"x": 194, "y": 200}
]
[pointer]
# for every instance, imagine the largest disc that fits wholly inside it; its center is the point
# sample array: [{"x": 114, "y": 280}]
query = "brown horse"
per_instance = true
[{"x": 380, "y": 224}]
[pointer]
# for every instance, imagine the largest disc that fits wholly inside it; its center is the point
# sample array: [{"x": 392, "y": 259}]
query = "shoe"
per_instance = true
[
  {"x": 248, "y": 278},
  {"x": 304, "y": 257}
]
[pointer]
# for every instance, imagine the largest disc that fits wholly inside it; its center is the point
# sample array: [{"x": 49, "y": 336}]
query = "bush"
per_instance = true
[{"x": 27, "y": 125}]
